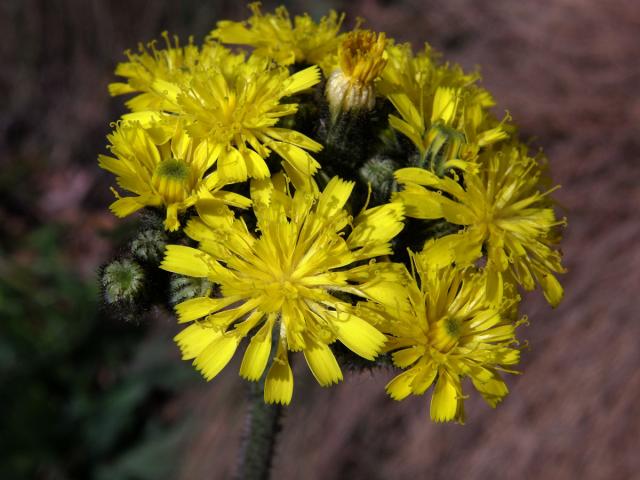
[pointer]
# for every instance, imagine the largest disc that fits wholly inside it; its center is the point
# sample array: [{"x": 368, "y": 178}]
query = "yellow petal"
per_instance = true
[
  {"x": 171, "y": 222},
  {"x": 217, "y": 355},
  {"x": 495, "y": 287},
  {"x": 205, "y": 155},
  {"x": 180, "y": 143},
  {"x": 195, "y": 338},
  {"x": 196, "y": 308},
  {"x": 167, "y": 89},
  {"x": 261, "y": 190},
  {"x": 400, "y": 387},
  {"x": 445, "y": 103},
  {"x": 115, "y": 166},
  {"x": 409, "y": 131},
  {"x": 233, "y": 199},
  {"x": 407, "y": 356},
  {"x": 145, "y": 118},
  {"x": 334, "y": 197},
  {"x": 278, "y": 387},
  {"x": 214, "y": 213},
  {"x": 377, "y": 225},
  {"x": 300, "y": 180},
  {"x": 301, "y": 80},
  {"x": 424, "y": 379},
  {"x": 322, "y": 363},
  {"x": 358, "y": 336},
  {"x": 119, "y": 88},
  {"x": 232, "y": 166},
  {"x": 420, "y": 202},
  {"x": 185, "y": 261},
  {"x": 296, "y": 157},
  {"x": 407, "y": 109},
  {"x": 439, "y": 253},
  {"x": 295, "y": 138},
  {"x": 256, "y": 166},
  {"x": 551, "y": 288},
  {"x": 491, "y": 136},
  {"x": 257, "y": 354},
  {"x": 417, "y": 175},
  {"x": 444, "y": 402},
  {"x": 493, "y": 390},
  {"x": 126, "y": 206}
]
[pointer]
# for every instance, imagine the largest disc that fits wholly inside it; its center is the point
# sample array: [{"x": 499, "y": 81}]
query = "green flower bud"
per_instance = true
[
  {"x": 184, "y": 288},
  {"x": 122, "y": 280},
  {"x": 149, "y": 245},
  {"x": 378, "y": 172}
]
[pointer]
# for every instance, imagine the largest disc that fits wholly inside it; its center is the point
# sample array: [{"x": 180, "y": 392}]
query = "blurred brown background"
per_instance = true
[{"x": 567, "y": 71}]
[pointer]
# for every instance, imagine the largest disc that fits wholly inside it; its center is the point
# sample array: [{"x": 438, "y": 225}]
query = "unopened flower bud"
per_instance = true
[
  {"x": 122, "y": 280},
  {"x": 149, "y": 245}
]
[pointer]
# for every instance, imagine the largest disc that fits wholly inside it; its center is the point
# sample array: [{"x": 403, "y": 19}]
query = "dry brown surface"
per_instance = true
[{"x": 568, "y": 71}]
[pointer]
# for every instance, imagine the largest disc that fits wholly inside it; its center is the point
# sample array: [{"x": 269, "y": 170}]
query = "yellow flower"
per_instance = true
[
  {"x": 235, "y": 108},
  {"x": 441, "y": 111},
  {"x": 171, "y": 173},
  {"x": 442, "y": 330},
  {"x": 292, "y": 277},
  {"x": 274, "y": 36},
  {"x": 171, "y": 64},
  {"x": 504, "y": 213}
]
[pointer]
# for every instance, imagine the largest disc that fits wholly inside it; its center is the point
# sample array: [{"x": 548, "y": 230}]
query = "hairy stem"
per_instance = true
[{"x": 263, "y": 426}]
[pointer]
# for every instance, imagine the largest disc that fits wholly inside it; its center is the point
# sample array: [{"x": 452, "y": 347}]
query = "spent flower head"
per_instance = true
[{"x": 360, "y": 62}]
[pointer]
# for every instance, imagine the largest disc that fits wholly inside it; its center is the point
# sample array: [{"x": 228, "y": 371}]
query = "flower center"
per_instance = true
[
  {"x": 445, "y": 334},
  {"x": 171, "y": 180}
]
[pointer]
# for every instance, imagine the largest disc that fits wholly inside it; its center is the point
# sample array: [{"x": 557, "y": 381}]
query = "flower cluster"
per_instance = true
[{"x": 333, "y": 193}]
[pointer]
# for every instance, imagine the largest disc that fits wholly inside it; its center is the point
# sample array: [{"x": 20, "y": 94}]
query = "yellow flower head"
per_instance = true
[
  {"x": 502, "y": 211},
  {"x": 235, "y": 108},
  {"x": 171, "y": 64},
  {"x": 442, "y": 330},
  {"x": 274, "y": 36},
  {"x": 169, "y": 173},
  {"x": 292, "y": 276},
  {"x": 361, "y": 60},
  {"x": 441, "y": 111}
]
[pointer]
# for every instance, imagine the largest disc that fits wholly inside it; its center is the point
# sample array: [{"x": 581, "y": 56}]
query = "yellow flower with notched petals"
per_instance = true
[
  {"x": 503, "y": 212},
  {"x": 235, "y": 110},
  {"x": 275, "y": 36},
  {"x": 174, "y": 63},
  {"x": 171, "y": 174},
  {"x": 442, "y": 329},
  {"x": 441, "y": 111},
  {"x": 292, "y": 277}
]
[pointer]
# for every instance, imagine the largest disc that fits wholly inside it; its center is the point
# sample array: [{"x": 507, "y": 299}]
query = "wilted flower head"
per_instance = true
[{"x": 361, "y": 59}]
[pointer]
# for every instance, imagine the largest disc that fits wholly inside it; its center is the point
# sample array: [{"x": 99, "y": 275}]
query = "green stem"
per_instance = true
[{"x": 259, "y": 444}]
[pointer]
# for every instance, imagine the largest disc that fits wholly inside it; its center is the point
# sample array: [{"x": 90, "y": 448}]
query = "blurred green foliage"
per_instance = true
[{"x": 81, "y": 395}]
